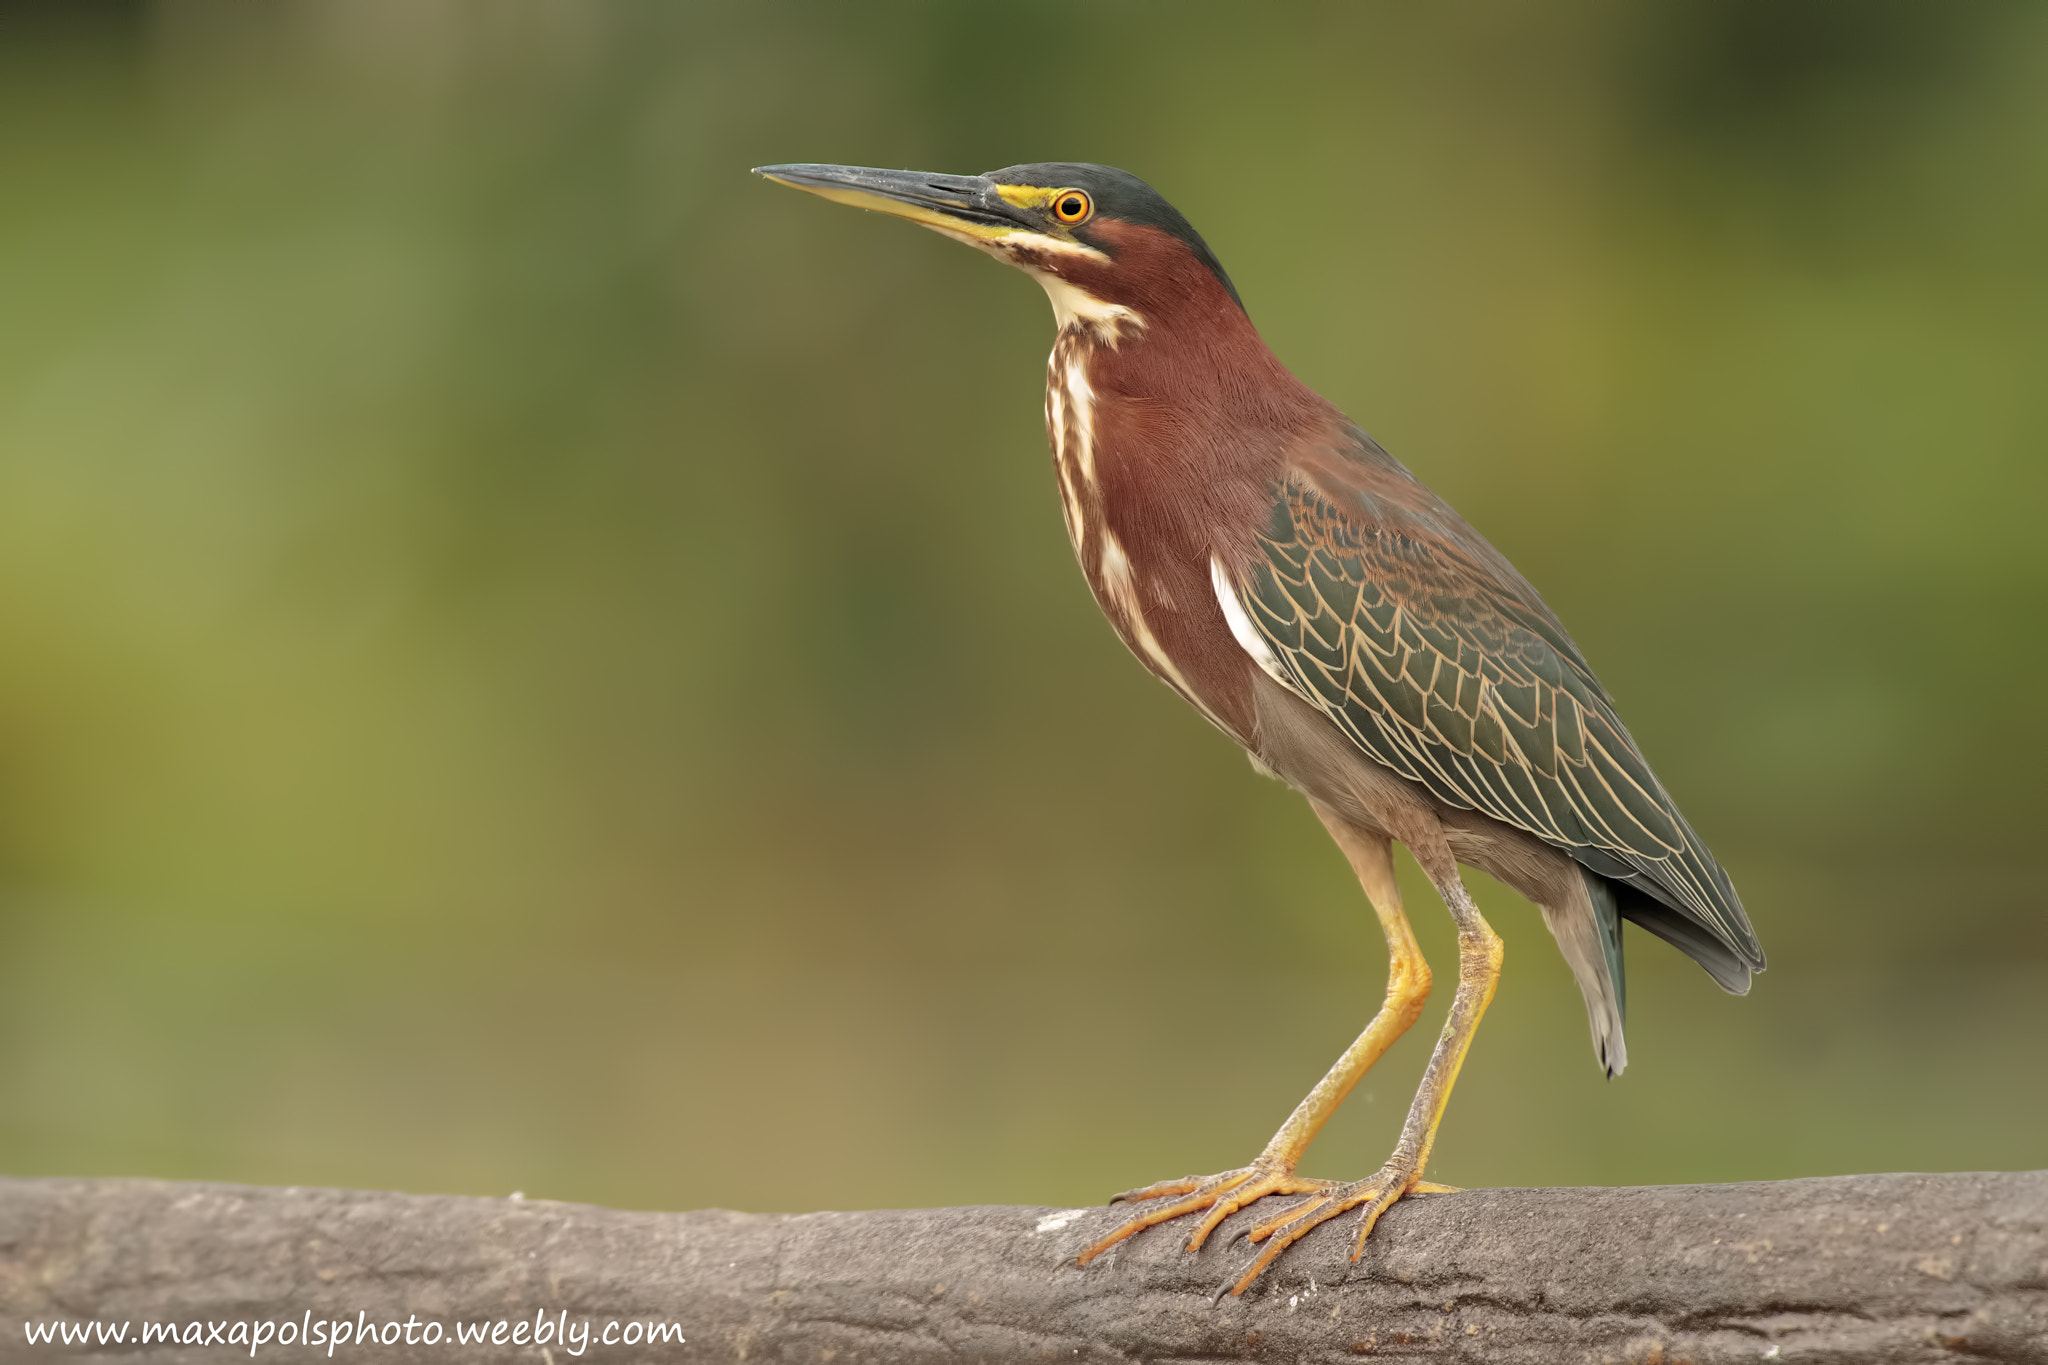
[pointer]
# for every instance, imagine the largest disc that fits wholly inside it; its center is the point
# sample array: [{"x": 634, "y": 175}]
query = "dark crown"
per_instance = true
[{"x": 1119, "y": 194}]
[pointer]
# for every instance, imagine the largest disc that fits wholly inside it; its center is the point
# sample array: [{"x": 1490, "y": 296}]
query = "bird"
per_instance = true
[{"x": 1269, "y": 561}]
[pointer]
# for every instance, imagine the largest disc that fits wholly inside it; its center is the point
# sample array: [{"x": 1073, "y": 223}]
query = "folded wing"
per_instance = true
[{"x": 1383, "y": 609}]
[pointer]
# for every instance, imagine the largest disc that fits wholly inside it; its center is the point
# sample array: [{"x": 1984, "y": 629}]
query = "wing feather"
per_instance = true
[{"x": 1397, "y": 621}]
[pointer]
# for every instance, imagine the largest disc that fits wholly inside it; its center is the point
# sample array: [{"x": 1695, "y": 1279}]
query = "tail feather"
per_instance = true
[
  {"x": 1587, "y": 928},
  {"x": 1728, "y": 967}
]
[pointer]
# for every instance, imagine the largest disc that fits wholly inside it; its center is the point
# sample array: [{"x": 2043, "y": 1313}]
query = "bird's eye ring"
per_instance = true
[{"x": 1072, "y": 206}]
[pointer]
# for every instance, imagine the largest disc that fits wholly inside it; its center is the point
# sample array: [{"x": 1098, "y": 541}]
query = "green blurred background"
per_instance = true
[{"x": 532, "y": 659}]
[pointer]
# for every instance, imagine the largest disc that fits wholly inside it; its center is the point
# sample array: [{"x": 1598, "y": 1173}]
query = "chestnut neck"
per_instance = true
[{"x": 1168, "y": 336}]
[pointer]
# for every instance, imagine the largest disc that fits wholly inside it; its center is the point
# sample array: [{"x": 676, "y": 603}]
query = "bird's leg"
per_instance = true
[
  {"x": 1479, "y": 959},
  {"x": 1272, "y": 1171}
]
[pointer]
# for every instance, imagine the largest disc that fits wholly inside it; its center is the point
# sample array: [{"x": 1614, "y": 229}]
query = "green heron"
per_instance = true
[{"x": 1294, "y": 583}]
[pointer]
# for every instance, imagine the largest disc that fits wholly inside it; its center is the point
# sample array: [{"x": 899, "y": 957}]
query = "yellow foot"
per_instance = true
[
  {"x": 1222, "y": 1195},
  {"x": 1290, "y": 1225}
]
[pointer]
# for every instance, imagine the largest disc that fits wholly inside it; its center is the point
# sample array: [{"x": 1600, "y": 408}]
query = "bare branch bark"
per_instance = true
[{"x": 1856, "y": 1268}]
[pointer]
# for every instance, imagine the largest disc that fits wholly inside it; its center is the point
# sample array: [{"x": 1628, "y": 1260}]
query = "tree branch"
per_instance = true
[{"x": 1854, "y": 1268}]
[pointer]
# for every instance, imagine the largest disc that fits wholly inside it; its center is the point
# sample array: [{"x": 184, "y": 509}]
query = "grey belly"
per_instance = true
[{"x": 1303, "y": 749}]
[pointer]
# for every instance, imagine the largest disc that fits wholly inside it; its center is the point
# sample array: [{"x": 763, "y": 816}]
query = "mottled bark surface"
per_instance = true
[{"x": 1856, "y": 1268}]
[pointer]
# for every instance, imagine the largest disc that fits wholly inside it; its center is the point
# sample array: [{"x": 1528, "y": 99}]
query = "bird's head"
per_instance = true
[{"x": 1112, "y": 254}]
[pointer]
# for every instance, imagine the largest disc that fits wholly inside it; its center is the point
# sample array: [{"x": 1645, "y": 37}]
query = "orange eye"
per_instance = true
[{"x": 1071, "y": 206}]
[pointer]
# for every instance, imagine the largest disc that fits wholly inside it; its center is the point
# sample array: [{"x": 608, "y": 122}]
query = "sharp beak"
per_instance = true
[{"x": 965, "y": 207}]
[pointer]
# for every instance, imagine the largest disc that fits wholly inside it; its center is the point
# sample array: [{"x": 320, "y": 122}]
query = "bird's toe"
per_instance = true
[{"x": 1218, "y": 1196}]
